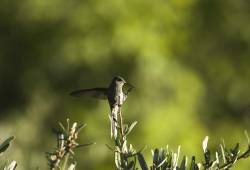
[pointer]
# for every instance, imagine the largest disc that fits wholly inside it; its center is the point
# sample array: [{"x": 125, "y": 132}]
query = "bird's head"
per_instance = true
[{"x": 119, "y": 80}]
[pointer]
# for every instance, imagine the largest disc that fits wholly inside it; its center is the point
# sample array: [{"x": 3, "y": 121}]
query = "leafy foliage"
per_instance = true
[
  {"x": 66, "y": 143},
  {"x": 164, "y": 159},
  {"x": 126, "y": 157},
  {"x": 3, "y": 147},
  {"x": 125, "y": 154}
]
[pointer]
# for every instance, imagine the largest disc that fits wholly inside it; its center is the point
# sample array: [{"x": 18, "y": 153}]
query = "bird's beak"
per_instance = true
[{"x": 129, "y": 85}]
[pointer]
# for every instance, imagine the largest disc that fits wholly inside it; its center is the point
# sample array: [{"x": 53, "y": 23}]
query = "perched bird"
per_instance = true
[{"x": 116, "y": 94}]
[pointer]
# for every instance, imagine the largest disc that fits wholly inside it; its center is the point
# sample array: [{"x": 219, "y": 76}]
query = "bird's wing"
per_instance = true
[{"x": 99, "y": 93}]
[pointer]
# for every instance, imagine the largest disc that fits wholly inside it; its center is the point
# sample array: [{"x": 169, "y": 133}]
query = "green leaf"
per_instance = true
[
  {"x": 156, "y": 157},
  {"x": 4, "y": 146},
  {"x": 223, "y": 153},
  {"x": 125, "y": 128},
  {"x": 130, "y": 165},
  {"x": 117, "y": 160},
  {"x": 62, "y": 127},
  {"x": 109, "y": 147},
  {"x": 193, "y": 165},
  {"x": 87, "y": 144},
  {"x": 236, "y": 149},
  {"x": 80, "y": 127},
  {"x": 247, "y": 153},
  {"x": 131, "y": 127},
  {"x": 183, "y": 163},
  {"x": 68, "y": 124},
  {"x": 248, "y": 140},
  {"x": 142, "y": 161},
  {"x": 207, "y": 158},
  {"x": 117, "y": 142}
]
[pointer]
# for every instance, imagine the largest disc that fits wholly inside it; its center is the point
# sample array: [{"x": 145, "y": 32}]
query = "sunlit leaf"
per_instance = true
[
  {"x": 72, "y": 166},
  {"x": 204, "y": 144},
  {"x": 223, "y": 153},
  {"x": 12, "y": 166}
]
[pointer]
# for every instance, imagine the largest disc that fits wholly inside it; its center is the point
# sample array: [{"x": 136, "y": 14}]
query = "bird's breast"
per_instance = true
[{"x": 115, "y": 95}]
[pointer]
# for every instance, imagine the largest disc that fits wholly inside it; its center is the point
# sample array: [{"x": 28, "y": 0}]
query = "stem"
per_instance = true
[
  {"x": 121, "y": 122},
  {"x": 122, "y": 137},
  {"x": 65, "y": 161},
  {"x": 232, "y": 162}
]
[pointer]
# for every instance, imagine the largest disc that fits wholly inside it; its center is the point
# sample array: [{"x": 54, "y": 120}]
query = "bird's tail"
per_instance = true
[{"x": 114, "y": 120}]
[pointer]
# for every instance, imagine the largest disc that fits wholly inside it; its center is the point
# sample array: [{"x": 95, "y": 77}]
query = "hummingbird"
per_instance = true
[{"x": 116, "y": 93}]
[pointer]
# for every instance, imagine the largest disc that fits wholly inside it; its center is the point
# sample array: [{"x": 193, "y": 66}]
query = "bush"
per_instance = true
[{"x": 125, "y": 155}]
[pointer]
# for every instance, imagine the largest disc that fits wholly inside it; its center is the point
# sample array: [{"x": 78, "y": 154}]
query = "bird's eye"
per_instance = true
[{"x": 118, "y": 79}]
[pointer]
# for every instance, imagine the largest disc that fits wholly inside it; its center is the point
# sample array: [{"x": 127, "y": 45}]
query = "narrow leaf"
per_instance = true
[
  {"x": 142, "y": 161},
  {"x": 68, "y": 124},
  {"x": 156, "y": 157},
  {"x": 80, "y": 127},
  {"x": 204, "y": 144},
  {"x": 72, "y": 166},
  {"x": 183, "y": 163},
  {"x": 193, "y": 165},
  {"x": 207, "y": 157},
  {"x": 84, "y": 145},
  {"x": 248, "y": 140},
  {"x": 131, "y": 165},
  {"x": 131, "y": 127},
  {"x": 236, "y": 149},
  {"x": 223, "y": 153},
  {"x": 12, "y": 166},
  {"x": 109, "y": 147},
  {"x": 62, "y": 127},
  {"x": 4, "y": 146}
]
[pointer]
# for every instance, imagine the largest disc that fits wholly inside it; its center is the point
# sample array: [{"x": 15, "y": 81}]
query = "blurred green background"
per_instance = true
[{"x": 189, "y": 61}]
